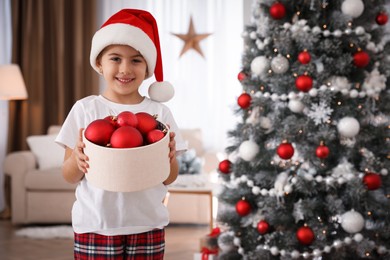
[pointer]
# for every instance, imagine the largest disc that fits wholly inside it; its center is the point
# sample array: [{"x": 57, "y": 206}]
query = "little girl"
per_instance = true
[{"x": 120, "y": 225}]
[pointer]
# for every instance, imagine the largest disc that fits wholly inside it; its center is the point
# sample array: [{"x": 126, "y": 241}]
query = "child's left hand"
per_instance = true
[{"x": 172, "y": 146}]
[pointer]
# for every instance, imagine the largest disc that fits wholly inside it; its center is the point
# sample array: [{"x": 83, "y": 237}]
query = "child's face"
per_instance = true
[{"x": 124, "y": 69}]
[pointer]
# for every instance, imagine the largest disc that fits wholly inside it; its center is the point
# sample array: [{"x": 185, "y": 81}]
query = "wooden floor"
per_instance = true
[{"x": 182, "y": 241}]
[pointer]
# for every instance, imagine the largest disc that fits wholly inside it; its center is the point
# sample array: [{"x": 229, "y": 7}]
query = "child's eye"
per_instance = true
[
  {"x": 116, "y": 59},
  {"x": 137, "y": 60}
]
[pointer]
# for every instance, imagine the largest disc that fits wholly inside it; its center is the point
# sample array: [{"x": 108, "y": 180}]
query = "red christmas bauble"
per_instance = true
[
  {"x": 381, "y": 18},
  {"x": 243, "y": 208},
  {"x": 372, "y": 181},
  {"x": 127, "y": 118},
  {"x": 277, "y": 11},
  {"x": 146, "y": 122},
  {"x": 112, "y": 120},
  {"x": 322, "y": 151},
  {"x": 285, "y": 151},
  {"x": 154, "y": 136},
  {"x": 304, "y": 57},
  {"x": 224, "y": 166},
  {"x": 305, "y": 235},
  {"x": 244, "y": 100},
  {"x": 126, "y": 137},
  {"x": 304, "y": 83},
  {"x": 99, "y": 132},
  {"x": 262, "y": 227},
  {"x": 241, "y": 76},
  {"x": 361, "y": 59}
]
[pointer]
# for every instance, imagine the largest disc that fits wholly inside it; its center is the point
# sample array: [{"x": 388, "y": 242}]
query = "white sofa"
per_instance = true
[{"x": 41, "y": 195}]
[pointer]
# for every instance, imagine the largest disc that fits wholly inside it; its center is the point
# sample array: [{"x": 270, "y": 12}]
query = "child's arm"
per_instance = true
[
  {"x": 75, "y": 162},
  {"x": 172, "y": 157}
]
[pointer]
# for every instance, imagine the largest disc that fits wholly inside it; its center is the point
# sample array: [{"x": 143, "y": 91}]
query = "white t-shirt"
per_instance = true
[{"x": 115, "y": 213}]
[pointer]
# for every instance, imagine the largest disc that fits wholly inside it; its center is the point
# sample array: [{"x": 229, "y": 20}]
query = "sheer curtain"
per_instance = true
[
  {"x": 5, "y": 58},
  {"x": 206, "y": 87}
]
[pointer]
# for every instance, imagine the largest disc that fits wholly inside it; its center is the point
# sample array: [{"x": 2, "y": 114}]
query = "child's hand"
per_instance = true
[
  {"x": 172, "y": 146},
  {"x": 81, "y": 158}
]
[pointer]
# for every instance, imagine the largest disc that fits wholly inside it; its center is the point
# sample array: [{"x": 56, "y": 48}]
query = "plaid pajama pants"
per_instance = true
[{"x": 144, "y": 246}]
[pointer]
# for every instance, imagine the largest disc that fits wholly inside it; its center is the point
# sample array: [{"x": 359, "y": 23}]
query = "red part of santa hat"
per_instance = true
[{"x": 138, "y": 29}]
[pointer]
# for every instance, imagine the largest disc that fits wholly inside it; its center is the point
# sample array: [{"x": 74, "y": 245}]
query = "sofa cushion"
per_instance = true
[
  {"x": 49, "y": 179},
  {"x": 48, "y": 153}
]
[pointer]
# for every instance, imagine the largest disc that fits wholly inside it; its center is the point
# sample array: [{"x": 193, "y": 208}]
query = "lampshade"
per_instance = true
[{"x": 12, "y": 85}]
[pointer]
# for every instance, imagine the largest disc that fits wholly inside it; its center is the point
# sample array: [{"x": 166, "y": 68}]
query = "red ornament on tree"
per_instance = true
[
  {"x": 304, "y": 83},
  {"x": 305, "y": 235},
  {"x": 263, "y": 227},
  {"x": 277, "y": 11},
  {"x": 224, "y": 166},
  {"x": 304, "y": 57},
  {"x": 244, "y": 100},
  {"x": 361, "y": 59},
  {"x": 241, "y": 76},
  {"x": 372, "y": 181},
  {"x": 243, "y": 208},
  {"x": 285, "y": 151},
  {"x": 381, "y": 18},
  {"x": 322, "y": 151}
]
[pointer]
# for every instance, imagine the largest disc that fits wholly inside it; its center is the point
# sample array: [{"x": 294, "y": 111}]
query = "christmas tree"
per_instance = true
[{"x": 306, "y": 174}]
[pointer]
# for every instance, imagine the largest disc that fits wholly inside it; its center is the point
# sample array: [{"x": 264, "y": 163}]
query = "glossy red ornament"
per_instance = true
[
  {"x": 127, "y": 118},
  {"x": 285, "y": 151},
  {"x": 224, "y": 166},
  {"x": 322, "y": 151},
  {"x": 304, "y": 57},
  {"x": 304, "y": 83},
  {"x": 244, "y": 100},
  {"x": 305, "y": 235},
  {"x": 154, "y": 136},
  {"x": 99, "y": 132},
  {"x": 361, "y": 59},
  {"x": 277, "y": 11},
  {"x": 381, "y": 18},
  {"x": 146, "y": 122},
  {"x": 126, "y": 137},
  {"x": 112, "y": 120},
  {"x": 243, "y": 208},
  {"x": 241, "y": 76},
  {"x": 263, "y": 227},
  {"x": 372, "y": 181}
]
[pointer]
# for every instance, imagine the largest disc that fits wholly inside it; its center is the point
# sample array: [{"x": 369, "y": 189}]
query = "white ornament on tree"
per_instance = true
[
  {"x": 348, "y": 127},
  {"x": 296, "y": 106},
  {"x": 279, "y": 64},
  {"x": 353, "y": 8},
  {"x": 259, "y": 65},
  {"x": 248, "y": 150},
  {"x": 352, "y": 221}
]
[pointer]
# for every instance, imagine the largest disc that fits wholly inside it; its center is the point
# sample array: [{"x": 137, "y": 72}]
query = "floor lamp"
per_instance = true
[{"x": 12, "y": 87}]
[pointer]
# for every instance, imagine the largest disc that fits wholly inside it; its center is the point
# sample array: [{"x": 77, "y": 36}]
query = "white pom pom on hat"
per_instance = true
[{"x": 138, "y": 29}]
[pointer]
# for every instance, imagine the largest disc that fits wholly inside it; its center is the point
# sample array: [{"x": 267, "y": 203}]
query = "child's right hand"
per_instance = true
[{"x": 81, "y": 158}]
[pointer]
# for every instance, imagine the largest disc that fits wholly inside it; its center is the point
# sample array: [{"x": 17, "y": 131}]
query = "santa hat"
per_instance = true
[{"x": 138, "y": 29}]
